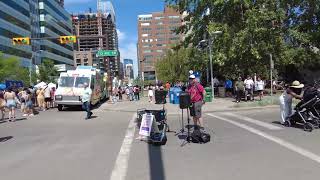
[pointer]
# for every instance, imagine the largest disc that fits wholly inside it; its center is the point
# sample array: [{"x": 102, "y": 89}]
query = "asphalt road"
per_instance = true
[{"x": 245, "y": 145}]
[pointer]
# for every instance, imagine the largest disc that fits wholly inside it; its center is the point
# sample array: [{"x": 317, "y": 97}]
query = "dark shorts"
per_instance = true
[
  {"x": 196, "y": 109},
  {"x": 47, "y": 99},
  {"x": 259, "y": 91},
  {"x": 249, "y": 91},
  {"x": 29, "y": 104},
  {"x": 229, "y": 89}
]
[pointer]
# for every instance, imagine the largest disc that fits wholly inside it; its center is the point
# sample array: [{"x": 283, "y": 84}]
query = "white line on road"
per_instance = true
[
  {"x": 254, "y": 121},
  {"x": 119, "y": 171},
  {"x": 277, "y": 140}
]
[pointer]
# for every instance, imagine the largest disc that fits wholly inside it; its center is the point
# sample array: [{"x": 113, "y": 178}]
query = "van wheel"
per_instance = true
[{"x": 60, "y": 107}]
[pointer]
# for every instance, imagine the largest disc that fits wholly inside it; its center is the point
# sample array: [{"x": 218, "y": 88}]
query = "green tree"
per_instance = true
[
  {"x": 11, "y": 69},
  {"x": 289, "y": 30},
  {"x": 176, "y": 64},
  {"x": 47, "y": 71}
]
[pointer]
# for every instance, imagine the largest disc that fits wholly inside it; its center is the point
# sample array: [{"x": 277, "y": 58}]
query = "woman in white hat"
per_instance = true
[{"x": 293, "y": 91}]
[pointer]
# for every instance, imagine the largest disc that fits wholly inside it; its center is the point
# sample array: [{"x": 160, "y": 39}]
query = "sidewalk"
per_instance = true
[{"x": 218, "y": 104}]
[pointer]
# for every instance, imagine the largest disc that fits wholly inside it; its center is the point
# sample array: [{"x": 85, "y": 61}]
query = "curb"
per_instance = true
[{"x": 219, "y": 110}]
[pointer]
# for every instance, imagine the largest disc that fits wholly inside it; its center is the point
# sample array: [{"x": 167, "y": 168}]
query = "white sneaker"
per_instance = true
[
  {"x": 31, "y": 115},
  {"x": 24, "y": 115}
]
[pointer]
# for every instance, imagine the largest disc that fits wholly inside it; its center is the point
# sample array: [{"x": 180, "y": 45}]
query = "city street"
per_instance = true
[{"x": 245, "y": 144}]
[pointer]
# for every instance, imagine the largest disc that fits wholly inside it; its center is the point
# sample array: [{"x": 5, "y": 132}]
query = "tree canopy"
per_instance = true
[
  {"x": 47, "y": 71},
  {"x": 11, "y": 69},
  {"x": 289, "y": 30}
]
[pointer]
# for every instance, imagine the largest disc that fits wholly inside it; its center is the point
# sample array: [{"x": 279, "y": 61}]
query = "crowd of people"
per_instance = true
[
  {"x": 131, "y": 93},
  {"x": 25, "y": 99}
]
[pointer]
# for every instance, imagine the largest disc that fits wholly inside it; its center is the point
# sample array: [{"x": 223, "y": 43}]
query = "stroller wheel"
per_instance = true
[
  {"x": 315, "y": 123},
  {"x": 287, "y": 123},
  {"x": 308, "y": 127}
]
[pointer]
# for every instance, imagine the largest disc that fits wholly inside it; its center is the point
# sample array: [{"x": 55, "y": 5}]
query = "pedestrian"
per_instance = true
[
  {"x": 239, "y": 85},
  {"x": 293, "y": 91},
  {"x": 131, "y": 95},
  {"x": 2, "y": 104},
  {"x": 248, "y": 88},
  {"x": 40, "y": 99},
  {"x": 120, "y": 91},
  {"x": 29, "y": 103},
  {"x": 168, "y": 85},
  {"x": 86, "y": 100},
  {"x": 11, "y": 102},
  {"x": 150, "y": 93},
  {"x": 260, "y": 87},
  {"x": 136, "y": 93},
  {"x": 197, "y": 94},
  {"x": 229, "y": 87},
  {"x": 23, "y": 94},
  {"x": 47, "y": 97},
  {"x": 127, "y": 93},
  {"x": 52, "y": 94}
]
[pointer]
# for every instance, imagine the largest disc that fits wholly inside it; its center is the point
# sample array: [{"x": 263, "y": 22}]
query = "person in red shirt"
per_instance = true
[{"x": 197, "y": 94}]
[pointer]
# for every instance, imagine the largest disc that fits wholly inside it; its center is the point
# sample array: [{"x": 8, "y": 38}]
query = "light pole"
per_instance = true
[
  {"x": 30, "y": 65},
  {"x": 210, "y": 58}
]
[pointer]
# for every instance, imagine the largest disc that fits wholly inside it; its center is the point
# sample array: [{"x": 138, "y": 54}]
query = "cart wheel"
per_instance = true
[{"x": 308, "y": 127}]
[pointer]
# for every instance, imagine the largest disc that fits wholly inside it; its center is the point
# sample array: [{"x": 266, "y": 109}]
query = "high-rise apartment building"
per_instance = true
[
  {"x": 35, "y": 19},
  {"x": 155, "y": 36},
  {"x": 100, "y": 33}
]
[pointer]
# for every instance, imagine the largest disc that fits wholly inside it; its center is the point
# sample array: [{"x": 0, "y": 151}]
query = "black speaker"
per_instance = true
[
  {"x": 184, "y": 100},
  {"x": 160, "y": 96}
]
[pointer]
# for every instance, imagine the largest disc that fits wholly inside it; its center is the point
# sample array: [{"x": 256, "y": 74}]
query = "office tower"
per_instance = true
[{"x": 155, "y": 36}]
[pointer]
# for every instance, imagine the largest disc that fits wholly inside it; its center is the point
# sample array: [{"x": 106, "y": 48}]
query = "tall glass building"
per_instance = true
[
  {"x": 15, "y": 22},
  {"x": 35, "y": 19},
  {"x": 55, "y": 21}
]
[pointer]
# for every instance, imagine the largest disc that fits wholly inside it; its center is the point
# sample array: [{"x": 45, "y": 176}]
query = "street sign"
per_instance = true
[{"x": 102, "y": 53}]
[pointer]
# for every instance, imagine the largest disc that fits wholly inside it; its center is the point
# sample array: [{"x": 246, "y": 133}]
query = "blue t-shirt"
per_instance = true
[{"x": 228, "y": 84}]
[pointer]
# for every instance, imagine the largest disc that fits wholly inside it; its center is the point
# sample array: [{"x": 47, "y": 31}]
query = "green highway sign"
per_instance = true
[{"x": 102, "y": 53}]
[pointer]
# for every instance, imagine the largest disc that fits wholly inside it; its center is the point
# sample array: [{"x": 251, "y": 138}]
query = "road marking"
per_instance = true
[
  {"x": 119, "y": 171},
  {"x": 274, "y": 139},
  {"x": 254, "y": 121}
]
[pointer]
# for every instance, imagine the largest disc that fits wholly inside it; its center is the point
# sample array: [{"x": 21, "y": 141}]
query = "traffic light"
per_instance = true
[
  {"x": 21, "y": 41},
  {"x": 68, "y": 39}
]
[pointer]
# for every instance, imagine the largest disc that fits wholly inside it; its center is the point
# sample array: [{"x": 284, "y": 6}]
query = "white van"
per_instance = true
[{"x": 71, "y": 86}]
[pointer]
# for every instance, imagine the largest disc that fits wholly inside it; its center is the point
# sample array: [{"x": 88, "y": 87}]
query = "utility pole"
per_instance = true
[{"x": 271, "y": 69}]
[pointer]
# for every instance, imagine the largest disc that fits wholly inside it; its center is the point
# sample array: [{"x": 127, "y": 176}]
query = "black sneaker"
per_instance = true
[{"x": 90, "y": 114}]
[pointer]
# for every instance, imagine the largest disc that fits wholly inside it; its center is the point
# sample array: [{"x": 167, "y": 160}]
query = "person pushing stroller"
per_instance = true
[{"x": 293, "y": 91}]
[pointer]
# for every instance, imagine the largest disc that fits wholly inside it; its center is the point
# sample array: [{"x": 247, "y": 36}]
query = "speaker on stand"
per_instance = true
[{"x": 185, "y": 103}]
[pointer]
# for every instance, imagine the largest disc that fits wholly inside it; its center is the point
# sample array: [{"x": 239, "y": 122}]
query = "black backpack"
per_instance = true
[{"x": 200, "y": 137}]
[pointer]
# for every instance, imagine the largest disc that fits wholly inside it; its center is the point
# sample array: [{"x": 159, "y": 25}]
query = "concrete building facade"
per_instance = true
[
  {"x": 155, "y": 36},
  {"x": 99, "y": 32}
]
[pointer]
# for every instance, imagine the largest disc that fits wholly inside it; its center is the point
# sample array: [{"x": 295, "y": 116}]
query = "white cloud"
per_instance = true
[
  {"x": 121, "y": 36},
  {"x": 129, "y": 51},
  {"x": 74, "y": 2}
]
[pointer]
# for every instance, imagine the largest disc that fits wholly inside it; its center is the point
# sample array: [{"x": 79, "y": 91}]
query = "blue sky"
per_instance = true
[{"x": 126, "y": 19}]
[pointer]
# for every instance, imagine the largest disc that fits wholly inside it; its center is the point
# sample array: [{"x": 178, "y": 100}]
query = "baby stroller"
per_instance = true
[
  {"x": 160, "y": 116},
  {"x": 306, "y": 112}
]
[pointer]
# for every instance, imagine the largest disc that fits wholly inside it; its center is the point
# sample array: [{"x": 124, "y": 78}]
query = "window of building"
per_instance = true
[
  {"x": 174, "y": 38},
  {"x": 145, "y": 35},
  {"x": 161, "y": 45},
  {"x": 78, "y": 61},
  {"x": 159, "y": 23},
  {"x": 159, "y": 17},
  {"x": 145, "y": 24},
  {"x": 147, "y": 45},
  {"x": 159, "y": 50},
  {"x": 173, "y": 17},
  {"x": 147, "y": 51}
]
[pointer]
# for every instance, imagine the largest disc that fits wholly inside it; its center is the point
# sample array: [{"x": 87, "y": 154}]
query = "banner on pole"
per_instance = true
[{"x": 146, "y": 124}]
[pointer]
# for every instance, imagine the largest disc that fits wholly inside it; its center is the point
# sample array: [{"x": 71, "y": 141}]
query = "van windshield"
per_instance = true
[
  {"x": 80, "y": 82},
  {"x": 66, "y": 81}
]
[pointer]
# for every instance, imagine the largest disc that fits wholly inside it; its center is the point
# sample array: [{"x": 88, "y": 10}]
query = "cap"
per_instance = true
[{"x": 192, "y": 76}]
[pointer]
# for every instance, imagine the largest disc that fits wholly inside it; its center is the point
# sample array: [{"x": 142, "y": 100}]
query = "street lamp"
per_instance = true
[
  {"x": 210, "y": 56},
  {"x": 30, "y": 65}
]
